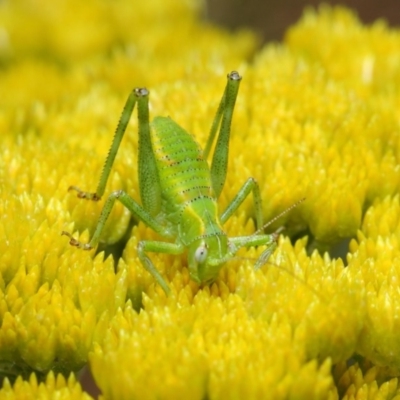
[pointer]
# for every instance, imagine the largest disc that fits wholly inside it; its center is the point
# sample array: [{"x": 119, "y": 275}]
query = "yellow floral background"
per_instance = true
[{"x": 318, "y": 116}]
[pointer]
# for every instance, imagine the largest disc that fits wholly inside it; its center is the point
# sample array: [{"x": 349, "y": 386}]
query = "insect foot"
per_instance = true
[
  {"x": 263, "y": 259},
  {"x": 75, "y": 242},
  {"x": 141, "y": 92},
  {"x": 85, "y": 195}
]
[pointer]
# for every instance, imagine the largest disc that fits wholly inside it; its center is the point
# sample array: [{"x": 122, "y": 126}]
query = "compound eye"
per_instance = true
[{"x": 201, "y": 254}]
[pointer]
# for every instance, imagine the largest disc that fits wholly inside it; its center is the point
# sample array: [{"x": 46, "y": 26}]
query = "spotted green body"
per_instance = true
[
  {"x": 188, "y": 204},
  {"x": 184, "y": 175},
  {"x": 179, "y": 191}
]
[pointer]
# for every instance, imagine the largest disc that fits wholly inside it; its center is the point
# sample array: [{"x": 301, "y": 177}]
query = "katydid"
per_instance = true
[{"x": 179, "y": 191}]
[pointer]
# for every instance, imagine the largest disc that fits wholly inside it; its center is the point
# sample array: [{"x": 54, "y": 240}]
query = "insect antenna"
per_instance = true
[
  {"x": 271, "y": 221},
  {"x": 289, "y": 272}
]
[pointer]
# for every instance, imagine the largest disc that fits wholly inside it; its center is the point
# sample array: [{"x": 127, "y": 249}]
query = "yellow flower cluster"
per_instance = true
[
  {"x": 247, "y": 331},
  {"x": 209, "y": 346},
  {"x": 315, "y": 119},
  {"x": 54, "y": 387},
  {"x": 375, "y": 260},
  {"x": 50, "y": 306},
  {"x": 364, "y": 382},
  {"x": 332, "y": 133}
]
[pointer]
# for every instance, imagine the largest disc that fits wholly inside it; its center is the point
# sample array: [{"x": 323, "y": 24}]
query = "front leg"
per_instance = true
[
  {"x": 157, "y": 247},
  {"x": 270, "y": 241}
]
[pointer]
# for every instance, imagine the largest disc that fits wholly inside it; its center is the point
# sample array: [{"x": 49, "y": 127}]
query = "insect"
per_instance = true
[{"x": 179, "y": 191}]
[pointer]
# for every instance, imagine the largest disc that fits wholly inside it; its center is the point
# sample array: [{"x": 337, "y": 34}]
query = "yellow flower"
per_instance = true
[
  {"x": 375, "y": 260},
  {"x": 363, "y": 382},
  {"x": 50, "y": 306},
  {"x": 212, "y": 347},
  {"x": 54, "y": 387}
]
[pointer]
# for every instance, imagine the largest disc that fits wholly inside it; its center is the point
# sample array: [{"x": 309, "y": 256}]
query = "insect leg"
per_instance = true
[
  {"x": 157, "y": 247},
  {"x": 149, "y": 181},
  {"x": 137, "y": 210},
  {"x": 148, "y": 176},
  {"x": 250, "y": 185},
  {"x": 119, "y": 133},
  {"x": 223, "y": 118},
  {"x": 258, "y": 240}
]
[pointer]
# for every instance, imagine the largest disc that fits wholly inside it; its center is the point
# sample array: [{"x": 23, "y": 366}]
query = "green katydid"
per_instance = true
[{"x": 179, "y": 191}]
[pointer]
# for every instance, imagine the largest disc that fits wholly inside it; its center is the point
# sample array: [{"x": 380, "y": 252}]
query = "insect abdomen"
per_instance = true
[{"x": 184, "y": 174}]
